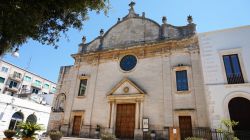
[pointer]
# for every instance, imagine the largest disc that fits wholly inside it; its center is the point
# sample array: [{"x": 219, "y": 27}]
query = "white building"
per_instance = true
[
  {"x": 21, "y": 83},
  {"x": 14, "y": 110},
  {"x": 24, "y": 96},
  {"x": 225, "y": 56}
]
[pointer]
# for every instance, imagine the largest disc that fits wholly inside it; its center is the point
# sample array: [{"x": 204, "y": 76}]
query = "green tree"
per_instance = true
[
  {"x": 42, "y": 20},
  {"x": 226, "y": 129}
]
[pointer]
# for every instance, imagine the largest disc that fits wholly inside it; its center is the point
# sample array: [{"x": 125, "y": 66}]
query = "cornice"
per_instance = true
[{"x": 150, "y": 49}]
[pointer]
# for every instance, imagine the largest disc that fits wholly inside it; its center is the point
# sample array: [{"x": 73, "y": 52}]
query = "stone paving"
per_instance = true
[{"x": 72, "y": 138}]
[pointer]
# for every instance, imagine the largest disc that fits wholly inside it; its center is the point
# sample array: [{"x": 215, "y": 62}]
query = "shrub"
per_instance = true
[
  {"x": 28, "y": 130},
  {"x": 193, "y": 138},
  {"x": 9, "y": 133},
  {"x": 107, "y": 136},
  {"x": 226, "y": 129}
]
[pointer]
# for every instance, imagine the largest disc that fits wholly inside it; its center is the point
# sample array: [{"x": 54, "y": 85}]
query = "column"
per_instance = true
[
  {"x": 141, "y": 115},
  {"x": 113, "y": 116},
  {"x": 137, "y": 115},
  {"x": 110, "y": 114}
]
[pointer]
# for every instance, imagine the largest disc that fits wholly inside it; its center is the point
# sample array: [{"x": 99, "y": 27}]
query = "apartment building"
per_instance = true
[
  {"x": 21, "y": 83},
  {"x": 24, "y": 96}
]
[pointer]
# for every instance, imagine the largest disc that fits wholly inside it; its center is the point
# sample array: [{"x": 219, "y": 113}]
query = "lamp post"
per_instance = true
[{"x": 16, "y": 52}]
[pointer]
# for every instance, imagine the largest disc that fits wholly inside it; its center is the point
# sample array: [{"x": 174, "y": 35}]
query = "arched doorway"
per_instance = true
[
  {"x": 239, "y": 111},
  {"x": 60, "y": 102},
  {"x": 32, "y": 119},
  {"x": 15, "y": 120}
]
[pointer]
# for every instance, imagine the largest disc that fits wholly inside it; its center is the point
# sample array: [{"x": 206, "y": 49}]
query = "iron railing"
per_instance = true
[
  {"x": 235, "y": 78},
  {"x": 207, "y": 134},
  {"x": 202, "y": 132}
]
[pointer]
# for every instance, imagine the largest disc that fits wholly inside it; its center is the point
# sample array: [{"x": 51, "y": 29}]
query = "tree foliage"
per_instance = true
[{"x": 42, "y": 20}]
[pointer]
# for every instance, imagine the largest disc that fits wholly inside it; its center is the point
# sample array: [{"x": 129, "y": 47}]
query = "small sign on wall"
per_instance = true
[{"x": 145, "y": 124}]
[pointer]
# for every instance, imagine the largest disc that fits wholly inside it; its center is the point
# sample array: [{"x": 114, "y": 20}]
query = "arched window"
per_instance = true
[
  {"x": 15, "y": 120},
  {"x": 31, "y": 118},
  {"x": 59, "y": 104}
]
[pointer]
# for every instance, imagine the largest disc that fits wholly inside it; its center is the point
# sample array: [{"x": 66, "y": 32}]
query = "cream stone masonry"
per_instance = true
[{"x": 146, "y": 90}]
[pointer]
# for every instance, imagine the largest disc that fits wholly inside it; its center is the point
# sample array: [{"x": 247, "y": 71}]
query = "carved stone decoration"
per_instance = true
[
  {"x": 143, "y": 14},
  {"x": 164, "y": 20},
  {"x": 193, "y": 48},
  {"x": 164, "y": 28},
  {"x": 190, "y": 19},
  {"x": 83, "y": 39},
  {"x": 126, "y": 89},
  {"x": 131, "y": 13},
  {"x": 101, "y": 32},
  {"x": 132, "y": 4}
]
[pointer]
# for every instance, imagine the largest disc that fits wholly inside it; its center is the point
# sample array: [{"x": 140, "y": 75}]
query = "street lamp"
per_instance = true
[{"x": 16, "y": 52}]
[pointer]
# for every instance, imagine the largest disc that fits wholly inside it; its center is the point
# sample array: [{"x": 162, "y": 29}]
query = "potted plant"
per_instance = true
[
  {"x": 9, "y": 134},
  {"x": 28, "y": 130},
  {"x": 55, "y": 135}
]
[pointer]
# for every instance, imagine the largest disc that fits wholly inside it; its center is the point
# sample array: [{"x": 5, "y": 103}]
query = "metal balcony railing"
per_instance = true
[
  {"x": 16, "y": 77},
  {"x": 36, "y": 85},
  {"x": 57, "y": 109},
  {"x": 235, "y": 78}
]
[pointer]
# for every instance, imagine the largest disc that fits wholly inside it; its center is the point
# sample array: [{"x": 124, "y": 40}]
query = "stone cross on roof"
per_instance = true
[
  {"x": 131, "y": 11},
  {"x": 132, "y": 4}
]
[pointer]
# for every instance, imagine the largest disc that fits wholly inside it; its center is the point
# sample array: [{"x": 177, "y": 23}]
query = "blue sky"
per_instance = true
[{"x": 209, "y": 15}]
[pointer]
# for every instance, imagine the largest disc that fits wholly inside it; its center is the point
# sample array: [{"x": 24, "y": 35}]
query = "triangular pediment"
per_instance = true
[{"x": 126, "y": 87}]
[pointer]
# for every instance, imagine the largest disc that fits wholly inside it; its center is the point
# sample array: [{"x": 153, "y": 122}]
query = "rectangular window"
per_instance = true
[
  {"x": 82, "y": 87},
  {"x": 53, "y": 90},
  {"x": 4, "y": 69},
  {"x": 233, "y": 69},
  {"x": 181, "y": 80},
  {"x": 13, "y": 84},
  {"x": 38, "y": 83},
  {"x": 46, "y": 86},
  {"x": 2, "y": 80},
  {"x": 17, "y": 74},
  {"x": 34, "y": 90},
  {"x": 27, "y": 78}
]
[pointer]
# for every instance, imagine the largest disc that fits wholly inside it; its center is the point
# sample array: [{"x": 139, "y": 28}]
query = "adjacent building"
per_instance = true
[
  {"x": 21, "y": 83},
  {"x": 137, "y": 77},
  {"x": 226, "y": 70},
  {"x": 24, "y": 96}
]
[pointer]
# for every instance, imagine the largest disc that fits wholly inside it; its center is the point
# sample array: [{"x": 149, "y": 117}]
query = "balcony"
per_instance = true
[
  {"x": 57, "y": 109},
  {"x": 15, "y": 77},
  {"x": 11, "y": 89},
  {"x": 235, "y": 78},
  {"x": 39, "y": 86}
]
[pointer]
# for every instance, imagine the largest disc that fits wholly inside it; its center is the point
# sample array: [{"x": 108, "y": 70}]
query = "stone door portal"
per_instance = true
[
  {"x": 185, "y": 125},
  {"x": 125, "y": 121},
  {"x": 76, "y": 126}
]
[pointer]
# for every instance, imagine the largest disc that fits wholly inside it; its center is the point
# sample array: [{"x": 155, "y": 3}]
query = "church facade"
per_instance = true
[{"x": 138, "y": 76}]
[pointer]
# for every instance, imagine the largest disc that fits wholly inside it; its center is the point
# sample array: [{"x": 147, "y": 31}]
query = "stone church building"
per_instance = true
[{"x": 136, "y": 77}]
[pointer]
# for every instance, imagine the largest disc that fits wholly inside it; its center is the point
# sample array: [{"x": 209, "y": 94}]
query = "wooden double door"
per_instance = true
[{"x": 125, "y": 121}]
